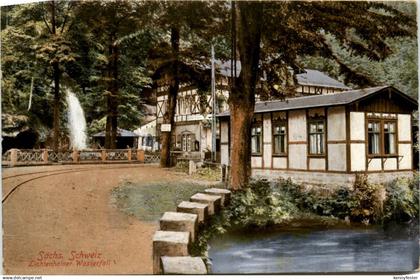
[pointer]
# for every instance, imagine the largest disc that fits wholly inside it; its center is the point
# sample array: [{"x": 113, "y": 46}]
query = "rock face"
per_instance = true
[
  {"x": 176, "y": 221},
  {"x": 200, "y": 209},
  {"x": 225, "y": 194},
  {"x": 213, "y": 201},
  {"x": 169, "y": 243},
  {"x": 183, "y": 265}
]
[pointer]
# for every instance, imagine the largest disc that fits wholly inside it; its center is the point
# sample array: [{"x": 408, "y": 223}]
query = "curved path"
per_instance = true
[{"x": 61, "y": 220}]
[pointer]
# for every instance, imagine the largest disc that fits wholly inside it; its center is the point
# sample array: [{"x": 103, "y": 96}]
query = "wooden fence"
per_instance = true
[{"x": 15, "y": 157}]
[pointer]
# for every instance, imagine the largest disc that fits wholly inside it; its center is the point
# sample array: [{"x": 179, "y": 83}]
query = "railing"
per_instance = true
[{"x": 15, "y": 157}]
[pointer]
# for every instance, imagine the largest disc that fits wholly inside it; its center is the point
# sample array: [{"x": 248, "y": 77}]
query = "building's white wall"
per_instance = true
[
  {"x": 405, "y": 151},
  {"x": 224, "y": 154},
  {"x": 317, "y": 163},
  {"x": 375, "y": 164},
  {"x": 297, "y": 126},
  {"x": 404, "y": 127},
  {"x": 267, "y": 155},
  {"x": 267, "y": 128},
  {"x": 224, "y": 131},
  {"x": 358, "y": 157},
  {"x": 256, "y": 162},
  {"x": 337, "y": 157},
  {"x": 297, "y": 156},
  {"x": 336, "y": 124},
  {"x": 280, "y": 162},
  {"x": 390, "y": 164},
  {"x": 357, "y": 126}
]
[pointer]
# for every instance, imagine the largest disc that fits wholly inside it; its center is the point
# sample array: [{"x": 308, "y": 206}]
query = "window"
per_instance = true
[
  {"x": 279, "y": 138},
  {"x": 382, "y": 137},
  {"x": 256, "y": 139},
  {"x": 316, "y": 137},
  {"x": 374, "y": 138},
  {"x": 187, "y": 142},
  {"x": 389, "y": 138}
]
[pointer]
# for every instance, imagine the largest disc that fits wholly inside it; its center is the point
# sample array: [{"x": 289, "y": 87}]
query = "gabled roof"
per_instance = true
[
  {"x": 120, "y": 133},
  {"x": 317, "y": 78},
  {"x": 342, "y": 98}
]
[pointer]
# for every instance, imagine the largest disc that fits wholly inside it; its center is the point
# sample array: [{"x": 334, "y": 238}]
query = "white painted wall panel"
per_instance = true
[
  {"x": 297, "y": 126},
  {"x": 390, "y": 164},
  {"x": 224, "y": 130},
  {"x": 375, "y": 164},
  {"x": 224, "y": 154},
  {"x": 267, "y": 128},
  {"x": 358, "y": 157},
  {"x": 337, "y": 157},
  {"x": 256, "y": 162},
  {"x": 336, "y": 123},
  {"x": 404, "y": 127},
  {"x": 357, "y": 126},
  {"x": 316, "y": 163},
  {"x": 280, "y": 162},
  {"x": 297, "y": 156},
  {"x": 267, "y": 155},
  {"x": 404, "y": 150}
]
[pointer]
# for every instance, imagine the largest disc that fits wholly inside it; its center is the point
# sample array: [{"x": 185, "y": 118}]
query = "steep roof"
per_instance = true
[
  {"x": 317, "y": 78},
  {"x": 120, "y": 133},
  {"x": 342, "y": 98}
]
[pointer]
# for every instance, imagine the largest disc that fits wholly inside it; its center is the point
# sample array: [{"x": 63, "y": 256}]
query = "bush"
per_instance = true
[
  {"x": 402, "y": 203},
  {"x": 365, "y": 200},
  {"x": 260, "y": 205}
]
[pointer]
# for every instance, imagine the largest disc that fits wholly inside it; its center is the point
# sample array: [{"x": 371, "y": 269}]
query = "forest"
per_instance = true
[{"x": 111, "y": 53}]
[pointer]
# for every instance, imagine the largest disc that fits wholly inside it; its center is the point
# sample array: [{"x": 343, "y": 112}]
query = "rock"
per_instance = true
[
  {"x": 183, "y": 265},
  {"x": 176, "y": 221},
  {"x": 225, "y": 194},
  {"x": 200, "y": 209},
  {"x": 213, "y": 201},
  {"x": 169, "y": 243}
]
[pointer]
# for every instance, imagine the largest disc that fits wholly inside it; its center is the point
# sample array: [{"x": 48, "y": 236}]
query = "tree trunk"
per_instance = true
[
  {"x": 242, "y": 98},
  {"x": 112, "y": 98},
  {"x": 169, "y": 116}
]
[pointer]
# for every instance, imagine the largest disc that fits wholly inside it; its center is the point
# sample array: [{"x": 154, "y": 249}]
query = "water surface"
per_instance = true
[{"x": 315, "y": 249}]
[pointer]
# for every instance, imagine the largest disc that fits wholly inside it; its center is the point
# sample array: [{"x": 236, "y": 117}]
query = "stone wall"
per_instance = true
[{"x": 178, "y": 230}]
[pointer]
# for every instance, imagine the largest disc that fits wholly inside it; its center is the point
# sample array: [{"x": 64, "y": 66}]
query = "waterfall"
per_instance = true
[{"x": 76, "y": 122}]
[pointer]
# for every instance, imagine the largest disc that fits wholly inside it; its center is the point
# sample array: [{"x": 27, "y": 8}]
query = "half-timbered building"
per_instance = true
[
  {"x": 192, "y": 133},
  {"x": 327, "y": 139}
]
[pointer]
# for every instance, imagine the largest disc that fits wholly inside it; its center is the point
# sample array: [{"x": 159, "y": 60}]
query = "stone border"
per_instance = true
[{"x": 178, "y": 230}]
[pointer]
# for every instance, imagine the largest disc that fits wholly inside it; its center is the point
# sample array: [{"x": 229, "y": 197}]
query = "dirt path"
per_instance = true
[{"x": 66, "y": 223}]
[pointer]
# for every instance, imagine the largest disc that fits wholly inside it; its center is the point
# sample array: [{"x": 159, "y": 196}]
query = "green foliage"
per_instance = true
[
  {"x": 366, "y": 200},
  {"x": 402, "y": 203},
  {"x": 260, "y": 205}
]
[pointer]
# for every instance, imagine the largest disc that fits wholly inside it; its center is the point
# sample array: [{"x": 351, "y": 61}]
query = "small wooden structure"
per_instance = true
[
  {"x": 326, "y": 139},
  {"x": 125, "y": 139}
]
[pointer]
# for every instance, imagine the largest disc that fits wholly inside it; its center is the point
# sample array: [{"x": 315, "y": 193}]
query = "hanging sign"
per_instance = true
[{"x": 165, "y": 127}]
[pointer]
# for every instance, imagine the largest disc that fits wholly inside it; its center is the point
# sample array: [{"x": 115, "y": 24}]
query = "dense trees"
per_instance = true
[{"x": 109, "y": 51}]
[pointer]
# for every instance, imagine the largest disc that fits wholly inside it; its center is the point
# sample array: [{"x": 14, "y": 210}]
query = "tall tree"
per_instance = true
[
  {"x": 292, "y": 29},
  {"x": 119, "y": 49},
  {"x": 192, "y": 26}
]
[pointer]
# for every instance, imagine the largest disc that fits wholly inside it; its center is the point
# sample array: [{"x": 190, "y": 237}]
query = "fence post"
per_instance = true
[
  {"x": 129, "y": 154},
  {"x": 140, "y": 156},
  {"x": 13, "y": 157},
  {"x": 103, "y": 155},
  {"x": 45, "y": 156},
  {"x": 75, "y": 155}
]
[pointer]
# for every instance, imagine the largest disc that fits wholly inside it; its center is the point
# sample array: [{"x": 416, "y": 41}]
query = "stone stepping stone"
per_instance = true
[
  {"x": 225, "y": 194},
  {"x": 176, "y": 221},
  {"x": 183, "y": 265},
  {"x": 169, "y": 243},
  {"x": 213, "y": 201},
  {"x": 200, "y": 209}
]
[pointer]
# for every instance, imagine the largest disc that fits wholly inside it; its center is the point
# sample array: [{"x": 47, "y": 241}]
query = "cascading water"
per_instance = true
[{"x": 76, "y": 122}]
